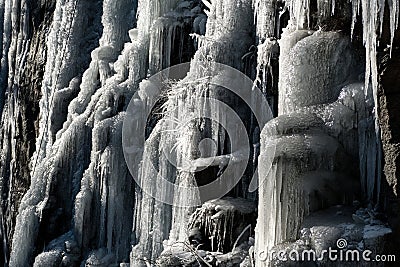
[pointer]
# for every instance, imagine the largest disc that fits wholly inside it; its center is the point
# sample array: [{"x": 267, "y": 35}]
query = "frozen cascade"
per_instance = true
[
  {"x": 22, "y": 56},
  {"x": 224, "y": 26},
  {"x": 12, "y": 36},
  {"x": 66, "y": 43},
  {"x": 73, "y": 141},
  {"x": 80, "y": 186},
  {"x": 100, "y": 181},
  {"x": 321, "y": 121},
  {"x": 349, "y": 120}
]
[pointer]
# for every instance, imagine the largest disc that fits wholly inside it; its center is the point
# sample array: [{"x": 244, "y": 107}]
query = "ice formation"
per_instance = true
[
  {"x": 323, "y": 229},
  {"x": 187, "y": 95},
  {"x": 73, "y": 139},
  {"x": 83, "y": 207},
  {"x": 222, "y": 222},
  {"x": 320, "y": 118},
  {"x": 92, "y": 123},
  {"x": 16, "y": 30}
]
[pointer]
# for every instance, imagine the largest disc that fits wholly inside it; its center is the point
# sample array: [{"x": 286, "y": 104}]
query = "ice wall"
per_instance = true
[
  {"x": 23, "y": 26},
  {"x": 80, "y": 186},
  {"x": 227, "y": 22},
  {"x": 68, "y": 54},
  {"x": 325, "y": 116},
  {"x": 80, "y": 175},
  {"x": 53, "y": 189}
]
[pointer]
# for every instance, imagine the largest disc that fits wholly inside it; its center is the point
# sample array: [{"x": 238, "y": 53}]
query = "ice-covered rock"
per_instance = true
[
  {"x": 314, "y": 68},
  {"x": 316, "y": 136},
  {"x": 51, "y": 259},
  {"x": 224, "y": 26},
  {"x": 82, "y": 204},
  {"x": 97, "y": 188},
  {"x": 195, "y": 257},
  {"x": 332, "y": 229},
  {"x": 218, "y": 224}
]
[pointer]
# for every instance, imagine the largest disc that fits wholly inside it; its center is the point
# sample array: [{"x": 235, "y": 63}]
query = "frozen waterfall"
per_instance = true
[{"x": 119, "y": 132}]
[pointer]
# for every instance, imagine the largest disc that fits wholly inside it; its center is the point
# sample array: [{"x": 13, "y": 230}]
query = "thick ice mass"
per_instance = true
[
  {"x": 68, "y": 70},
  {"x": 324, "y": 118},
  {"x": 184, "y": 97}
]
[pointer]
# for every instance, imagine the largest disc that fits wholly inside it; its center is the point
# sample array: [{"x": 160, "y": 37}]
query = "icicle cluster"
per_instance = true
[
  {"x": 93, "y": 123},
  {"x": 372, "y": 21},
  {"x": 227, "y": 21},
  {"x": 221, "y": 222},
  {"x": 78, "y": 170},
  {"x": 344, "y": 113}
]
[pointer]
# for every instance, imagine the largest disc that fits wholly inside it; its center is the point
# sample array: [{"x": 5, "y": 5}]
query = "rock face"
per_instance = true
[
  {"x": 389, "y": 94},
  {"x": 23, "y": 41},
  {"x": 68, "y": 70}
]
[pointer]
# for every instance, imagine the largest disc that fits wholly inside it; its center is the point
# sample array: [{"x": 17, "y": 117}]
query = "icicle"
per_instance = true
[
  {"x": 394, "y": 6},
  {"x": 355, "y": 12},
  {"x": 370, "y": 27},
  {"x": 371, "y": 11},
  {"x": 370, "y": 24},
  {"x": 266, "y": 51},
  {"x": 265, "y": 18},
  {"x": 301, "y": 12},
  {"x": 372, "y": 14},
  {"x": 326, "y": 8},
  {"x": 207, "y": 3}
]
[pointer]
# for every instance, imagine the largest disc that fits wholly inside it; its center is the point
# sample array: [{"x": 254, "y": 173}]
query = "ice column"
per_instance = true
[
  {"x": 311, "y": 141},
  {"x": 57, "y": 180}
]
